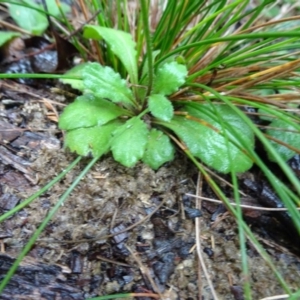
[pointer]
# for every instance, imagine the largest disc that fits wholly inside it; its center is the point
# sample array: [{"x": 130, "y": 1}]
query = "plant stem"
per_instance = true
[
  {"x": 143, "y": 113},
  {"x": 145, "y": 16}
]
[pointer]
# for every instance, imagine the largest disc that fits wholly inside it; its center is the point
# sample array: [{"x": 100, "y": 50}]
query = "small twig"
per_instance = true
[
  {"x": 69, "y": 35},
  {"x": 87, "y": 22},
  {"x": 198, "y": 232},
  {"x": 113, "y": 261},
  {"x": 20, "y": 89},
  {"x": 14, "y": 28},
  {"x": 198, "y": 242},
  {"x": 148, "y": 295},
  {"x": 144, "y": 270},
  {"x": 113, "y": 219},
  {"x": 277, "y": 297},
  {"x": 220, "y": 218},
  {"x": 242, "y": 205},
  {"x": 221, "y": 179}
]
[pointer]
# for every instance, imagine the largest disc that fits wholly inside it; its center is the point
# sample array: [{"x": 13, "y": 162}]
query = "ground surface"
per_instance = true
[{"x": 77, "y": 257}]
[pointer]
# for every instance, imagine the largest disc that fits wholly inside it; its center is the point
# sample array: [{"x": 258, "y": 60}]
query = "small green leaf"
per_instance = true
[
  {"x": 5, "y": 36},
  {"x": 29, "y": 18},
  {"x": 54, "y": 10},
  {"x": 76, "y": 72},
  {"x": 129, "y": 142},
  {"x": 104, "y": 82},
  {"x": 121, "y": 44},
  {"x": 160, "y": 107},
  {"x": 92, "y": 140},
  {"x": 204, "y": 136},
  {"x": 159, "y": 149},
  {"x": 87, "y": 111},
  {"x": 286, "y": 133},
  {"x": 169, "y": 78}
]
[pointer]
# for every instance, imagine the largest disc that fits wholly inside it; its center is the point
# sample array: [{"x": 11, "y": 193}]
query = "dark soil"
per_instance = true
[{"x": 121, "y": 230}]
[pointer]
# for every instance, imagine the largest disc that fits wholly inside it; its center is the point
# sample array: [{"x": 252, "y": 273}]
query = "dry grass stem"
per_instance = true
[
  {"x": 242, "y": 205},
  {"x": 198, "y": 242}
]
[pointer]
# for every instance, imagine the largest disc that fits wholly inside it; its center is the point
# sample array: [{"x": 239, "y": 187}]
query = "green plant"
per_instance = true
[
  {"x": 134, "y": 123},
  {"x": 186, "y": 83},
  {"x": 133, "y": 119},
  {"x": 137, "y": 119},
  {"x": 192, "y": 88}
]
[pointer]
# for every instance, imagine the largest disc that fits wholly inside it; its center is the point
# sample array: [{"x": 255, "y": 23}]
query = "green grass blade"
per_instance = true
[
  {"x": 40, "y": 192},
  {"x": 43, "y": 225}
]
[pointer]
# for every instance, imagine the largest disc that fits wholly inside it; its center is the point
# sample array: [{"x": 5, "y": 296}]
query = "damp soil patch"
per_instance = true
[{"x": 121, "y": 229}]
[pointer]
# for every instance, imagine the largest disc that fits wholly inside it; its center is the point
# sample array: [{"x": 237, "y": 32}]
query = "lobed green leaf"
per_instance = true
[
  {"x": 129, "y": 142},
  {"x": 160, "y": 107},
  {"x": 93, "y": 140},
  {"x": 169, "y": 77},
  {"x": 104, "y": 82},
  {"x": 88, "y": 111},
  {"x": 205, "y": 136},
  {"x": 121, "y": 44},
  {"x": 159, "y": 149}
]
